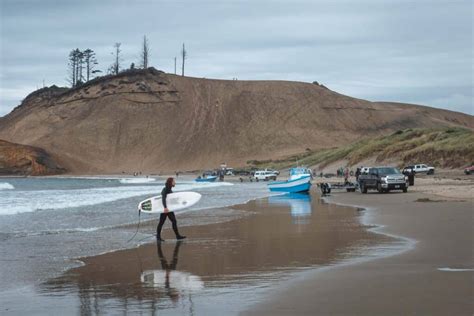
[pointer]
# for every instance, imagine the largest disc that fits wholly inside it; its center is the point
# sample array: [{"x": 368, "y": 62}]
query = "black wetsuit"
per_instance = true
[{"x": 163, "y": 216}]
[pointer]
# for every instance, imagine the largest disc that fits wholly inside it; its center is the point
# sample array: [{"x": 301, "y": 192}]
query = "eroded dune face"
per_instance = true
[
  {"x": 18, "y": 159},
  {"x": 148, "y": 120}
]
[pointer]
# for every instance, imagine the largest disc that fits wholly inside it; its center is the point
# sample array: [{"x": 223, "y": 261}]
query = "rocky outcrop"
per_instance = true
[
  {"x": 150, "y": 121},
  {"x": 18, "y": 159}
]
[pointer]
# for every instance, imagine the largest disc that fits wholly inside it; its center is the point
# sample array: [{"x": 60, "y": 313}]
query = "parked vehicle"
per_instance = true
[
  {"x": 383, "y": 179},
  {"x": 276, "y": 172},
  {"x": 469, "y": 170},
  {"x": 264, "y": 175},
  {"x": 299, "y": 181},
  {"x": 420, "y": 168}
]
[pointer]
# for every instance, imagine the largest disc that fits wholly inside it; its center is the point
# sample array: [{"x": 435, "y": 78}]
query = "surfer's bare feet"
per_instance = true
[
  {"x": 159, "y": 239},
  {"x": 180, "y": 237}
]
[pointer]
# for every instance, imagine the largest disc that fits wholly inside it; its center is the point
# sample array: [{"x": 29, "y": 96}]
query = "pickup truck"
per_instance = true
[
  {"x": 420, "y": 168},
  {"x": 383, "y": 179},
  {"x": 264, "y": 175}
]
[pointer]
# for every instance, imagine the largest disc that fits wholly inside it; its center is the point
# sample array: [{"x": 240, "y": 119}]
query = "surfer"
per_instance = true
[{"x": 170, "y": 183}]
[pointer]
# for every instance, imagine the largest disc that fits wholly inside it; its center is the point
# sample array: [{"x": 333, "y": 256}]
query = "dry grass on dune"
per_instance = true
[{"x": 447, "y": 148}]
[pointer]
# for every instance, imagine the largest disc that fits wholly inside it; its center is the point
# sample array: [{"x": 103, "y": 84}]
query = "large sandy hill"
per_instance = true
[{"x": 151, "y": 121}]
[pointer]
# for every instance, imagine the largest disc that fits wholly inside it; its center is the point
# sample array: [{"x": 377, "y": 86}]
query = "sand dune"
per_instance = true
[{"x": 151, "y": 121}]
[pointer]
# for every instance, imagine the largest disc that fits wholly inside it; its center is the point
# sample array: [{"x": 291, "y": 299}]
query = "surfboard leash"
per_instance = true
[{"x": 138, "y": 226}]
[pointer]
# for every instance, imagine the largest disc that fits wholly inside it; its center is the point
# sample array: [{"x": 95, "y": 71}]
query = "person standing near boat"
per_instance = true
[{"x": 170, "y": 183}]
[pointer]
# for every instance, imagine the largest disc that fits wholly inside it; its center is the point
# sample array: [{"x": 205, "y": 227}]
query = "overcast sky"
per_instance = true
[{"x": 413, "y": 51}]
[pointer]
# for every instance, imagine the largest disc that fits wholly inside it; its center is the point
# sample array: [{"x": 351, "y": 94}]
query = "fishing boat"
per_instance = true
[
  {"x": 299, "y": 181},
  {"x": 206, "y": 179}
]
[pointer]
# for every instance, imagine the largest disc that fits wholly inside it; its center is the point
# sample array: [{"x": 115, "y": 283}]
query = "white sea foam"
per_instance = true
[
  {"x": 6, "y": 186},
  {"x": 136, "y": 180},
  {"x": 454, "y": 270},
  {"x": 17, "y": 201}
]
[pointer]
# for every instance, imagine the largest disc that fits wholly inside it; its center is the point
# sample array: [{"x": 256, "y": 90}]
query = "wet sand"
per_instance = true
[
  {"x": 220, "y": 269},
  {"x": 284, "y": 256},
  {"x": 433, "y": 277}
]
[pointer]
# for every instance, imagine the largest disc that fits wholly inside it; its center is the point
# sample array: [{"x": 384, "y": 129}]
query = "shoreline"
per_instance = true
[
  {"x": 377, "y": 217},
  {"x": 351, "y": 278},
  {"x": 215, "y": 253}
]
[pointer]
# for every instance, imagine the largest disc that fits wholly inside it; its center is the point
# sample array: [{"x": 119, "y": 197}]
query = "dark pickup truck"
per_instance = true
[{"x": 383, "y": 179}]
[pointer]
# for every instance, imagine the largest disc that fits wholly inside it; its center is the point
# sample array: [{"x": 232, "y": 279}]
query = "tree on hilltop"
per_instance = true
[
  {"x": 145, "y": 53},
  {"x": 90, "y": 63},
  {"x": 80, "y": 62},
  {"x": 184, "y": 55},
  {"x": 72, "y": 68},
  {"x": 115, "y": 67},
  {"x": 75, "y": 65}
]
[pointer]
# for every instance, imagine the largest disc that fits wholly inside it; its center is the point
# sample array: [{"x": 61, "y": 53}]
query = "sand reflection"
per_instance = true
[
  {"x": 169, "y": 281},
  {"x": 277, "y": 237},
  {"x": 299, "y": 203}
]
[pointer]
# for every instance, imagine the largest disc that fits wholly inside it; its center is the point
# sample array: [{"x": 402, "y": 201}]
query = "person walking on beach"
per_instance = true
[
  {"x": 357, "y": 174},
  {"x": 346, "y": 175},
  {"x": 170, "y": 183}
]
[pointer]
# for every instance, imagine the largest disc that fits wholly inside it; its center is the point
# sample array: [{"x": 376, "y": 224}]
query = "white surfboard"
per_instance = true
[{"x": 175, "y": 201}]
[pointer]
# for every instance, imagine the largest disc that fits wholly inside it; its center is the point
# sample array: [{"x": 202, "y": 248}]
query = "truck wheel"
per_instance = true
[
  {"x": 363, "y": 188},
  {"x": 256, "y": 179},
  {"x": 405, "y": 190},
  {"x": 379, "y": 188}
]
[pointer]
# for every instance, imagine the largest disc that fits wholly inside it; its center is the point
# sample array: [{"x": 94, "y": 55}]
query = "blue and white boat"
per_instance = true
[
  {"x": 206, "y": 179},
  {"x": 299, "y": 181}
]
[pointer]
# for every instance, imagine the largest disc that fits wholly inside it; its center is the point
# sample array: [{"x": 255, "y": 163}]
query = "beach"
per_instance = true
[
  {"x": 299, "y": 254},
  {"x": 233, "y": 255},
  {"x": 432, "y": 276}
]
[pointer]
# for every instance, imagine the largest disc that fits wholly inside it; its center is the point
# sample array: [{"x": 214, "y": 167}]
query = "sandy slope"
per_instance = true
[{"x": 151, "y": 121}]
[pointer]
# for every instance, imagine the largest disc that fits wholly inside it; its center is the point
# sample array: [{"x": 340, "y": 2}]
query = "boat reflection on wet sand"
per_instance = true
[{"x": 300, "y": 205}]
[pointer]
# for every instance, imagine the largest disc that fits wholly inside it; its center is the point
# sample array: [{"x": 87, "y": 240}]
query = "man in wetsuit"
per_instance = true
[{"x": 170, "y": 183}]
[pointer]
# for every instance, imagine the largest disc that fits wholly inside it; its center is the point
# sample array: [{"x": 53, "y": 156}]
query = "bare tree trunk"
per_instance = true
[
  {"x": 81, "y": 65},
  {"x": 117, "y": 58},
  {"x": 183, "y": 55},
  {"x": 145, "y": 53},
  {"x": 77, "y": 66},
  {"x": 90, "y": 61},
  {"x": 72, "y": 68}
]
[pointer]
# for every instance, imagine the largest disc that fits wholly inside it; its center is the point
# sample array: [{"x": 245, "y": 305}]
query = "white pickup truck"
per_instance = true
[
  {"x": 265, "y": 175},
  {"x": 420, "y": 168}
]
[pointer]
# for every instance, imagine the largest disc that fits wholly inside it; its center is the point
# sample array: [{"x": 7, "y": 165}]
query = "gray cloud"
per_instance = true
[{"x": 405, "y": 51}]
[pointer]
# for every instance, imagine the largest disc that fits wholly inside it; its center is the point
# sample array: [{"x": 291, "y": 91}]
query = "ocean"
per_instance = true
[
  {"x": 64, "y": 246},
  {"x": 47, "y": 223}
]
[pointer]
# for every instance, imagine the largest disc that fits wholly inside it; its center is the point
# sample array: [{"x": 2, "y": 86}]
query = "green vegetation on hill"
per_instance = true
[{"x": 446, "y": 147}]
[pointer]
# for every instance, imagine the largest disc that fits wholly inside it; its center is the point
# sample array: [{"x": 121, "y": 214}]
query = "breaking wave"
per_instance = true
[{"x": 6, "y": 186}]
